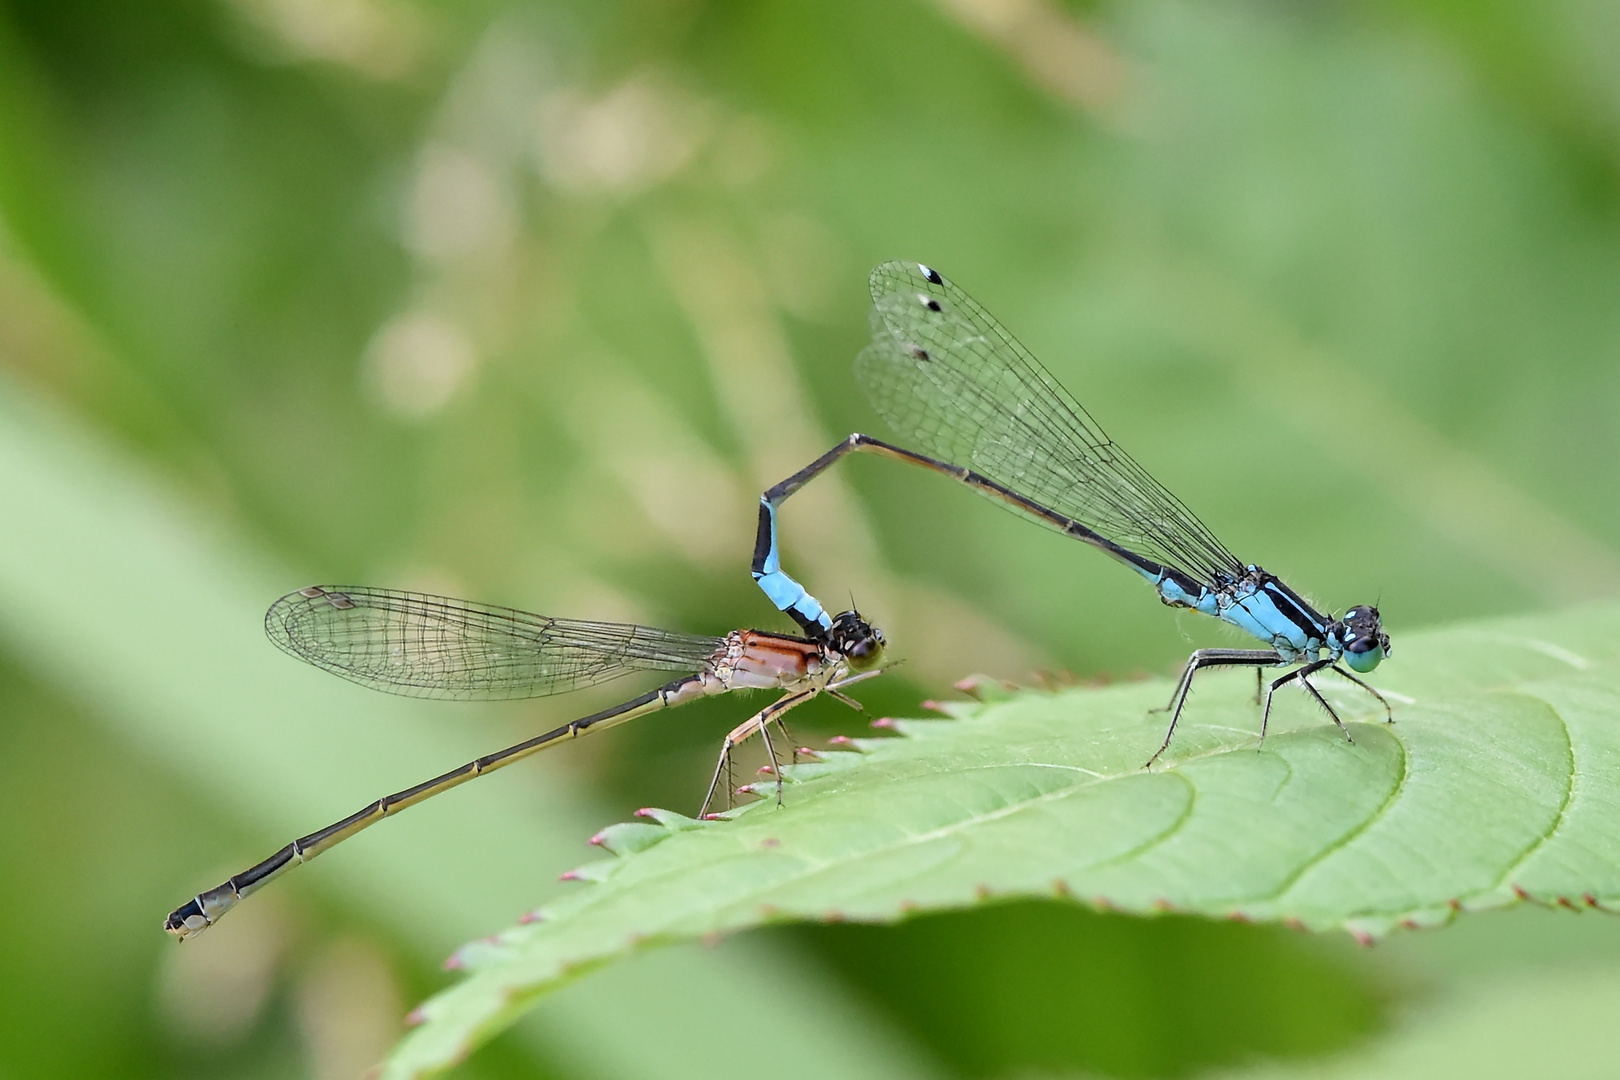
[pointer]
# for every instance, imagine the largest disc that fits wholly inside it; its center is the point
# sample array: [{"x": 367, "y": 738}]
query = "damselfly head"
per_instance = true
[
  {"x": 1363, "y": 637},
  {"x": 856, "y": 640}
]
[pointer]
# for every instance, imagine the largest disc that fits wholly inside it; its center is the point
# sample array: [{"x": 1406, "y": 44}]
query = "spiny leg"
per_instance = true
[
  {"x": 754, "y": 724},
  {"x": 1204, "y": 658},
  {"x": 721, "y": 766},
  {"x": 833, "y": 689},
  {"x": 1301, "y": 674},
  {"x": 773, "y": 711},
  {"x": 1322, "y": 701},
  {"x": 729, "y": 743},
  {"x": 1389, "y": 717},
  {"x": 787, "y": 736},
  {"x": 770, "y": 751},
  {"x": 847, "y": 700},
  {"x": 850, "y": 680},
  {"x": 830, "y": 692},
  {"x": 798, "y": 751}
]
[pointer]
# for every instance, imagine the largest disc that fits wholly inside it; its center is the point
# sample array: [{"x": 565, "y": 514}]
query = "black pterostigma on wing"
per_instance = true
[{"x": 945, "y": 373}]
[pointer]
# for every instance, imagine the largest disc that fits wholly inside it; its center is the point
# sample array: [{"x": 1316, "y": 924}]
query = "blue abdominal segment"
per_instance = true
[
  {"x": 1172, "y": 593},
  {"x": 788, "y": 595}
]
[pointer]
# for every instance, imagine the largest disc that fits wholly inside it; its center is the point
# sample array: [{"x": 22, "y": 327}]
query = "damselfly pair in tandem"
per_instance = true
[{"x": 941, "y": 370}]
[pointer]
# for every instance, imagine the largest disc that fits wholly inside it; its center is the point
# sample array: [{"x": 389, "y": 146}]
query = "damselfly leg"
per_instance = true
[{"x": 758, "y": 723}]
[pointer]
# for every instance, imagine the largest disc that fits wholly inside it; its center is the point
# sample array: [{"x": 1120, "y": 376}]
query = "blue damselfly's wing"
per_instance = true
[{"x": 945, "y": 373}]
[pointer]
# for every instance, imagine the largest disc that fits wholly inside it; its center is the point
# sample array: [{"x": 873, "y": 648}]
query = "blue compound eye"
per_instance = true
[{"x": 1364, "y": 654}]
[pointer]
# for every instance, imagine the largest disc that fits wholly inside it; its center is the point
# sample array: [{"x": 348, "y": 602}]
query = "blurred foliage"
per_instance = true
[
  {"x": 1238, "y": 993},
  {"x": 528, "y": 301}
]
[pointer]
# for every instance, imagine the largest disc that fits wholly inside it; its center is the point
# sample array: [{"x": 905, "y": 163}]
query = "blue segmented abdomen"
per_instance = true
[
  {"x": 1171, "y": 592},
  {"x": 788, "y": 595}
]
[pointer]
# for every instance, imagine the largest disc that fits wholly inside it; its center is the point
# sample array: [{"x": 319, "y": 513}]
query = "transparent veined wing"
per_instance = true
[
  {"x": 437, "y": 647},
  {"x": 945, "y": 373}
]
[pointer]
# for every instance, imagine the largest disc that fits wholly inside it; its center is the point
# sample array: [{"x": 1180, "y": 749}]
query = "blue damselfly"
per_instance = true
[{"x": 945, "y": 372}]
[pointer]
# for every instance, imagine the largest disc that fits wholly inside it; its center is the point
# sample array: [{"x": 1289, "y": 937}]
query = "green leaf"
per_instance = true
[{"x": 1499, "y": 781}]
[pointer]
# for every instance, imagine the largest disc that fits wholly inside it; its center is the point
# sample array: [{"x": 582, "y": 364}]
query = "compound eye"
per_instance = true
[
  {"x": 1363, "y": 653},
  {"x": 864, "y": 651}
]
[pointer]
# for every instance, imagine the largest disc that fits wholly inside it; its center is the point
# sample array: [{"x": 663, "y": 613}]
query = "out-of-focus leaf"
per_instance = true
[{"x": 1555, "y": 1022}]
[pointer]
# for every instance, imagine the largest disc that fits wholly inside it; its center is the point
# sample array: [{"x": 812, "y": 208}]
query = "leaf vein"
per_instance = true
[
  {"x": 1569, "y": 791},
  {"x": 1349, "y": 836}
]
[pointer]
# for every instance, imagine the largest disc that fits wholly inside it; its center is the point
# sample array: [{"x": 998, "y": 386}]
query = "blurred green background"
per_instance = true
[{"x": 526, "y": 302}]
